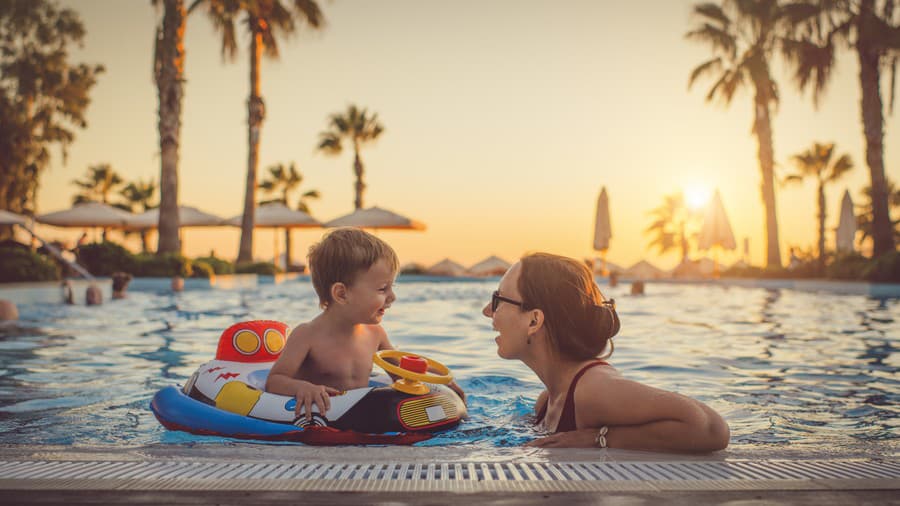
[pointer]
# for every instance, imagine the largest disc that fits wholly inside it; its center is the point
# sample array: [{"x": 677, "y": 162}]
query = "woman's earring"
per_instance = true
[{"x": 528, "y": 341}]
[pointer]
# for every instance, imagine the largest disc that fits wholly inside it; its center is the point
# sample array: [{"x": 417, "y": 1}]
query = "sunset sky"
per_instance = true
[{"x": 503, "y": 120}]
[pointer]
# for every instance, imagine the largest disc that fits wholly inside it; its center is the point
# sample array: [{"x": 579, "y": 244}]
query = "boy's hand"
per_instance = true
[{"x": 309, "y": 394}]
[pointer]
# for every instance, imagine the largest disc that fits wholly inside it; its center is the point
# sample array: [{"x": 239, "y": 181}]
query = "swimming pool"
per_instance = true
[{"x": 789, "y": 370}]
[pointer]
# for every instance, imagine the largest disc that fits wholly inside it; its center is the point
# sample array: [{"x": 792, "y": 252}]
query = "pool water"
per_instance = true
[{"x": 787, "y": 369}]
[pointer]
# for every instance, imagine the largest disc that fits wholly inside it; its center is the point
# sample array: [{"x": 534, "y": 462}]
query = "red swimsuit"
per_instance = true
[{"x": 567, "y": 420}]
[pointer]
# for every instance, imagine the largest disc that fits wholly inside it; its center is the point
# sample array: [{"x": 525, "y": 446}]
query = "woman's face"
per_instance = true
[{"x": 509, "y": 320}]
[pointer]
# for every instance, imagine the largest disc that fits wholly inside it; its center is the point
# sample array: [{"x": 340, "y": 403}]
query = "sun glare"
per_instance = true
[{"x": 697, "y": 195}]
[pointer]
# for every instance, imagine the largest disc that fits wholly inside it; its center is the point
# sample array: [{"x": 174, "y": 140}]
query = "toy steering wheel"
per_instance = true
[{"x": 442, "y": 377}]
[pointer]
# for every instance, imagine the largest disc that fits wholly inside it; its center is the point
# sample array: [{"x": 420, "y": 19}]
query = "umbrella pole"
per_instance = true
[{"x": 275, "y": 245}]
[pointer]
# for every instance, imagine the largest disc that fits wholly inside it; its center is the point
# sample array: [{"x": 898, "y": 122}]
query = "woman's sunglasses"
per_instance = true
[{"x": 496, "y": 299}]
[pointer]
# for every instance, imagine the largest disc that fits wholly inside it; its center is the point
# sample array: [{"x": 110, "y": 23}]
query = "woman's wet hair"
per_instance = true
[{"x": 579, "y": 322}]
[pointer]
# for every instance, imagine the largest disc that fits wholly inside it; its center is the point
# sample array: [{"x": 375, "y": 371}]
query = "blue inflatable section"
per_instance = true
[{"x": 172, "y": 406}]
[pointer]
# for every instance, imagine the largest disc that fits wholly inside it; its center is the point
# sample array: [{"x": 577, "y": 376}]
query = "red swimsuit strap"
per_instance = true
[{"x": 567, "y": 419}]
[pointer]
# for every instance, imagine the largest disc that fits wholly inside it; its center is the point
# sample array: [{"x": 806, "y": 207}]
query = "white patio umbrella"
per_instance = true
[
  {"x": 446, "y": 267},
  {"x": 845, "y": 233},
  {"x": 490, "y": 266},
  {"x": 187, "y": 217},
  {"x": 602, "y": 229},
  {"x": 644, "y": 270},
  {"x": 716, "y": 230},
  {"x": 276, "y": 215},
  {"x": 8, "y": 218},
  {"x": 89, "y": 214},
  {"x": 377, "y": 218}
]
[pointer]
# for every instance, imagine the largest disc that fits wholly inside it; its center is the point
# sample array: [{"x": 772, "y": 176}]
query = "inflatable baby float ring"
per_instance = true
[{"x": 226, "y": 397}]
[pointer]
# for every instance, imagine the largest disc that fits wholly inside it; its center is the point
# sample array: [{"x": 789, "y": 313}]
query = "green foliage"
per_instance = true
[
  {"x": 262, "y": 268},
  {"x": 849, "y": 267},
  {"x": 202, "y": 269},
  {"x": 23, "y": 265},
  {"x": 105, "y": 258},
  {"x": 43, "y": 95},
  {"x": 884, "y": 269},
  {"x": 163, "y": 266},
  {"x": 218, "y": 265}
]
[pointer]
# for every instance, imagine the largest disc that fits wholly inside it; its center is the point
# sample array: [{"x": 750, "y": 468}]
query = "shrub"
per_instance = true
[
  {"x": 105, "y": 258},
  {"x": 884, "y": 269},
  {"x": 23, "y": 265},
  {"x": 163, "y": 266},
  {"x": 202, "y": 269},
  {"x": 850, "y": 266},
  {"x": 218, "y": 265},
  {"x": 262, "y": 268}
]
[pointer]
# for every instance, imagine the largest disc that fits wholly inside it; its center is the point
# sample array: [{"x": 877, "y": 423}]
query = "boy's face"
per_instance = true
[{"x": 372, "y": 293}]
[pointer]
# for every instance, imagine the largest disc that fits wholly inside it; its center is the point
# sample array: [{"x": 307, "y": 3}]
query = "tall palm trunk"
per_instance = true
[
  {"x": 256, "y": 112},
  {"x": 762, "y": 128},
  {"x": 358, "y": 170},
  {"x": 287, "y": 249},
  {"x": 820, "y": 214},
  {"x": 169, "y": 82},
  {"x": 873, "y": 128}
]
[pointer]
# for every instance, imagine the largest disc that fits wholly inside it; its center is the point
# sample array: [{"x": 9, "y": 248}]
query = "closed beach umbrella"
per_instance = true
[
  {"x": 716, "y": 229},
  {"x": 490, "y": 266},
  {"x": 89, "y": 214},
  {"x": 376, "y": 217},
  {"x": 446, "y": 267},
  {"x": 8, "y": 218},
  {"x": 187, "y": 217},
  {"x": 845, "y": 233},
  {"x": 602, "y": 229}
]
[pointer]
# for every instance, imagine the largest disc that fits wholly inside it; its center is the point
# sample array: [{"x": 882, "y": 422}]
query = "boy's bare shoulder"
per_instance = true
[{"x": 303, "y": 332}]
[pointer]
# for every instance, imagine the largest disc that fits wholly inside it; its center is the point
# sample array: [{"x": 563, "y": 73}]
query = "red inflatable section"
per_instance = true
[{"x": 253, "y": 341}]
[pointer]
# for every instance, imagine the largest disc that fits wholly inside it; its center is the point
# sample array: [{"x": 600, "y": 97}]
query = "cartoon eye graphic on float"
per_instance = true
[
  {"x": 274, "y": 341},
  {"x": 246, "y": 342}
]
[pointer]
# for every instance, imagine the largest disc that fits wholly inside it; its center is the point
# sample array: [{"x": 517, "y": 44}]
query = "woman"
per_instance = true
[{"x": 551, "y": 316}]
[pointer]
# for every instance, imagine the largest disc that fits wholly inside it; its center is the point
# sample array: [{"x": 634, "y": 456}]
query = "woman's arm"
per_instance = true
[{"x": 640, "y": 417}]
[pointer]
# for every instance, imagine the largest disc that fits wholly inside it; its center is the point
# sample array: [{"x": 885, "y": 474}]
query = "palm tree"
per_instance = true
[
  {"x": 168, "y": 72},
  {"x": 139, "y": 197},
  {"x": 743, "y": 36},
  {"x": 100, "y": 181},
  {"x": 874, "y": 32},
  {"x": 865, "y": 217},
  {"x": 356, "y": 126},
  {"x": 671, "y": 222},
  {"x": 816, "y": 162},
  {"x": 96, "y": 186},
  {"x": 286, "y": 181},
  {"x": 266, "y": 21}
]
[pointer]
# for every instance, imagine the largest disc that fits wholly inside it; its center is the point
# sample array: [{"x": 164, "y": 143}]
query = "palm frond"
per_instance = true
[
  {"x": 713, "y": 12},
  {"x": 719, "y": 39},
  {"x": 330, "y": 143},
  {"x": 704, "y": 68}
]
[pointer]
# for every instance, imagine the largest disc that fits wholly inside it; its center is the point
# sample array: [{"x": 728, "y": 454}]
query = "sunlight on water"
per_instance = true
[{"x": 785, "y": 368}]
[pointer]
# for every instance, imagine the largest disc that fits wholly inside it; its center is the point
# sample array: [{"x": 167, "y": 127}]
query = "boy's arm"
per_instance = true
[{"x": 281, "y": 378}]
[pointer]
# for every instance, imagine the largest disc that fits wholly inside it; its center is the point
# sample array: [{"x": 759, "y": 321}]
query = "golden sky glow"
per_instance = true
[{"x": 503, "y": 121}]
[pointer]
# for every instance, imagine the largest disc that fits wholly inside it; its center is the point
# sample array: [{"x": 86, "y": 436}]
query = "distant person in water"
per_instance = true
[
  {"x": 93, "y": 296},
  {"x": 177, "y": 284},
  {"x": 550, "y": 314},
  {"x": 120, "y": 282},
  {"x": 8, "y": 311}
]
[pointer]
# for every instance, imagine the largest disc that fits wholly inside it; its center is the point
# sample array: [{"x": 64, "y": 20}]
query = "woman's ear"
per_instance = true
[
  {"x": 339, "y": 292},
  {"x": 537, "y": 321}
]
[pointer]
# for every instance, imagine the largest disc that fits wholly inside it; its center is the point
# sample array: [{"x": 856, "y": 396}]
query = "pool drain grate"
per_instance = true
[{"x": 451, "y": 476}]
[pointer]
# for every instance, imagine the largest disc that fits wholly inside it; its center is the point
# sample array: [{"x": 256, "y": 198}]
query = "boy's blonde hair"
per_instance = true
[{"x": 342, "y": 255}]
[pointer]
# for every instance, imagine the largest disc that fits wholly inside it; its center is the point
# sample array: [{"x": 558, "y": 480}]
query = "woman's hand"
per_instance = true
[
  {"x": 582, "y": 438},
  {"x": 308, "y": 394}
]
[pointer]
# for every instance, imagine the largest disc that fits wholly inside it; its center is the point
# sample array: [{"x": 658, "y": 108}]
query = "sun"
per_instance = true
[{"x": 697, "y": 195}]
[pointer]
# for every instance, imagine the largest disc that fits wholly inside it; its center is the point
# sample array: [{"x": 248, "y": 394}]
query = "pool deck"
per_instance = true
[{"x": 278, "y": 474}]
